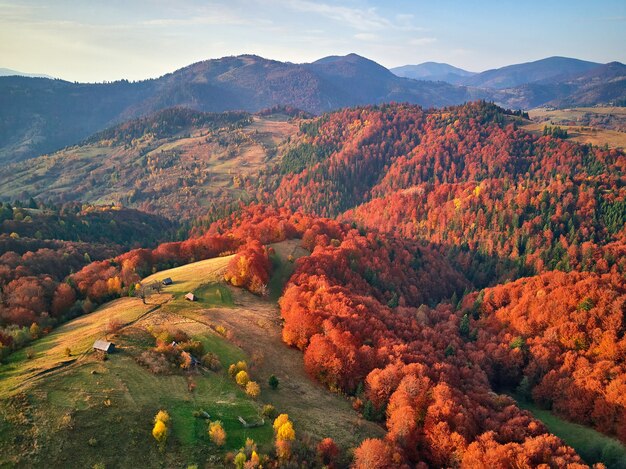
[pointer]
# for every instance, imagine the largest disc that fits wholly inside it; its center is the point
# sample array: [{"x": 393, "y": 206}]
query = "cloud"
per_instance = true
[
  {"x": 405, "y": 22},
  {"x": 219, "y": 19},
  {"x": 461, "y": 51},
  {"x": 422, "y": 41},
  {"x": 367, "y": 37},
  {"x": 360, "y": 19}
]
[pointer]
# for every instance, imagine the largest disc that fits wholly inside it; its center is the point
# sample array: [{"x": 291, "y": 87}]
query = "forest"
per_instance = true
[{"x": 456, "y": 262}]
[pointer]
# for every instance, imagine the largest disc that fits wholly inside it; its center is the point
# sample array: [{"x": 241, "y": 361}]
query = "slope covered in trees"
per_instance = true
[
  {"x": 416, "y": 368},
  {"x": 454, "y": 258},
  {"x": 81, "y": 222},
  {"x": 558, "y": 337},
  {"x": 500, "y": 201}
]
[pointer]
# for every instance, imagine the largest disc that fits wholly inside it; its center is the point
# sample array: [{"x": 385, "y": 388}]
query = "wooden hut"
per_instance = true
[
  {"x": 104, "y": 346},
  {"x": 167, "y": 281},
  {"x": 190, "y": 297}
]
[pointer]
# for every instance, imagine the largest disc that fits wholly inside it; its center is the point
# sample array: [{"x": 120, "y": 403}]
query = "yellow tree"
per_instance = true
[
  {"x": 253, "y": 389},
  {"x": 242, "y": 378},
  {"x": 236, "y": 368},
  {"x": 240, "y": 460},
  {"x": 217, "y": 433},
  {"x": 285, "y": 434},
  {"x": 160, "y": 430}
]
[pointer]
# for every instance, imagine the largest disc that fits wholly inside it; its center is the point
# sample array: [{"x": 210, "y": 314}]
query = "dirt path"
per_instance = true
[{"x": 256, "y": 325}]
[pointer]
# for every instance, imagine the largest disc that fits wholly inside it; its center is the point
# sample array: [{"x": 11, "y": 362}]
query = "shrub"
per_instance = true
[
  {"x": 236, "y": 368},
  {"x": 242, "y": 378},
  {"x": 193, "y": 347},
  {"x": 160, "y": 430},
  {"x": 269, "y": 411},
  {"x": 273, "y": 382},
  {"x": 240, "y": 460},
  {"x": 155, "y": 362},
  {"x": 253, "y": 389},
  {"x": 211, "y": 361}
]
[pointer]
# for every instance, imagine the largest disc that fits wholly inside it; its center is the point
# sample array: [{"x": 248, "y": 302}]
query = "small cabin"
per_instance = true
[
  {"x": 104, "y": 346},
  {"x": 190, "y": 297},
  {"x": 167, "y": 281}
]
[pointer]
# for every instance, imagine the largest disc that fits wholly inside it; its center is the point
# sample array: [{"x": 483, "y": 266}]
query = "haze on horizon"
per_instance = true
[{"x": 138, "y": 39}]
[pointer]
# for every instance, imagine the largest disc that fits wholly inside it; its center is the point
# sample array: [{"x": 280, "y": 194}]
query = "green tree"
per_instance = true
[{"x": 273, "y": 382}]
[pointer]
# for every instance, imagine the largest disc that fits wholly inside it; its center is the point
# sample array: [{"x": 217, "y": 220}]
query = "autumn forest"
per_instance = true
[{"x": 455, "y": 266}]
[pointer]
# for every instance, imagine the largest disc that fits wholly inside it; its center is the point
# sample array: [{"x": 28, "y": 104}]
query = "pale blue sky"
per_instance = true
[{"x": 95, "y": 40}]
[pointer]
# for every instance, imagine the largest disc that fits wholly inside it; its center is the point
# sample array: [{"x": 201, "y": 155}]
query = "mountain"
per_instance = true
[
  {"x": 433, "y": 71},
  {"x": 7, "y": 72},
  {"x": 549, "y": 70},
  {"x": 41, "y": 115},
  {"x": 602, "y": 84}
]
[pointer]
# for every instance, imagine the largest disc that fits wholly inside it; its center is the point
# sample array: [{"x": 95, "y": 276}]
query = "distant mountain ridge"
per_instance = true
[
  {"x": 549, "y": 70},
  {"x": 433, "y": 71},
  {"x": 7, "y": 72},
  {"x": 40, "y": 115}
]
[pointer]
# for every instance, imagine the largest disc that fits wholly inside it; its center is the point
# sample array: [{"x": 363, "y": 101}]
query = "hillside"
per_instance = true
[
  {"x": 83, "y": 223},
  {"x": 446, "y": 178},
  {"x": 174, "y": 163},
  {"x": 81, "y": 404},
  {"x": 40, "y": 115},
  {"x": 595, "y": 125},
  {"x": 603, "y": 84}
]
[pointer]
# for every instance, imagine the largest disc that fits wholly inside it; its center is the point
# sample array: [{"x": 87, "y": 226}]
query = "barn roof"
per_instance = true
[{"x": 103, "y": 345}]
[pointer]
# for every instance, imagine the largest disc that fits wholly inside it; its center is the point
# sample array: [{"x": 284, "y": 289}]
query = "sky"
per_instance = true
[{"x": 95, "y": 40}]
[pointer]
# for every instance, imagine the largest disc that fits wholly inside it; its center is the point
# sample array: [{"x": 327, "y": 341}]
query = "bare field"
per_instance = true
[
  {"x": 595, "y": 125},
  {"x": 594, "y": 136}
]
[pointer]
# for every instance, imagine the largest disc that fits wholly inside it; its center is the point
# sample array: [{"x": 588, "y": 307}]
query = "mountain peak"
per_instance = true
[{"x": 351, "y": 57}]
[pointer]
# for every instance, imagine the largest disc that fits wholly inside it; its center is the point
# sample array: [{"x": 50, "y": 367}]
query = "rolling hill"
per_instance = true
[
  {"x": 466, "y": 261},
  {"x": 173, "y": 163},
  {"x": 556, "y": 81},
  {"x": 602, "y": 84},
  {"x": 79, "y": 404}
]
